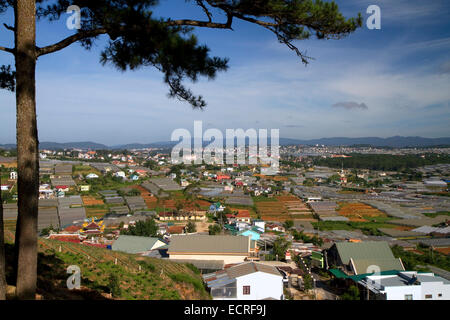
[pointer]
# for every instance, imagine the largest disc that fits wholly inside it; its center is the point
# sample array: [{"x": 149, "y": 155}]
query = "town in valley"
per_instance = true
[{"x": 333, "y": 223}]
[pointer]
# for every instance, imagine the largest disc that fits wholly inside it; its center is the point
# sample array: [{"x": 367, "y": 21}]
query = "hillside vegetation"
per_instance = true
[{"x": 107, "y": 274}]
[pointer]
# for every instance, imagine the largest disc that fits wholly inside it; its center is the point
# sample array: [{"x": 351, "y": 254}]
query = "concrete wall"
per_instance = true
[
  {"x": 262, "y": 285},
  {"x": 226, "y": 258},
  {"x": 398, "y": 293},
  {"x": 436, "y": 288},
  {"x": 419, "y": 291}
]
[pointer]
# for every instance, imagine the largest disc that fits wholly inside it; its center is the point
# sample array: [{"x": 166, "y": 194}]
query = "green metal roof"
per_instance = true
[
  {"x": 368, "y": 253},
  {"x": 231, "y": 228},
  {"x": 364, "y": 250},
  {"x": 364, "y": 265},
  {"x": 338, "y": 273},
  {"x": 341, "y": 275},
  {"x": 316, "y": 255}
]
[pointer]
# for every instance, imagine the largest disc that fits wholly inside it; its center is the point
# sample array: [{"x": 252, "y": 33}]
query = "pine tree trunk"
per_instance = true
[
  {"x": 2, "y": 254},
  {"x": 27, "y": 149}
]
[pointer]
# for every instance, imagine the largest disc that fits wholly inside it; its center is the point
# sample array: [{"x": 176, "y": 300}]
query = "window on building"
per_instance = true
[
  {"x": 408, "y": 296},
  {"x": 428, "y": 296},
  {"x": 246, "y": 290},
  {"x": 440, "y": 295}
]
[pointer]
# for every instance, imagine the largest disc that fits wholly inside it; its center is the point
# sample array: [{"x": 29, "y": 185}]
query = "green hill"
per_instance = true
[{"x": 107, "y": 274}]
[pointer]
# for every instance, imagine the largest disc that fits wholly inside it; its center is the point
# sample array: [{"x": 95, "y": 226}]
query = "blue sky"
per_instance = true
[{"x": 393, "y": 81}]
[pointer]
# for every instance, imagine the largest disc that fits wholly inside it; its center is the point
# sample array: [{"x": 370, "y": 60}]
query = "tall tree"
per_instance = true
[
  {"x": 2, "y": 252},
  {"x": 137, "y": 39}
]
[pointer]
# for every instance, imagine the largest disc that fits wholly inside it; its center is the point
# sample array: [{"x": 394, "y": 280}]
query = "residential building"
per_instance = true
[
  {"x": 243, "y": 216},
  {"x": 5, "y": 187},
  {"x": 85, "y": 188},
  {"x": 229, "y": 249},
  {"x": 410, "y": 285},
  {"x": 137, "y": 244},
  {"x": 246, "y": 281},
  {"x": 119, "y": 174},
  {"x": 260, "y": 225},
  {"x": 355, "y": 258}
]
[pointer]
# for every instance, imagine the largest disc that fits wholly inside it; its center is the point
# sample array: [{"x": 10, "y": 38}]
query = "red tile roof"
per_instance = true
[
  {"x": 92, "y": 225},
  {"x": 243, "y": 214},
  {"x": 72, "y": 228},
  {"x": 176, "y": 229}
]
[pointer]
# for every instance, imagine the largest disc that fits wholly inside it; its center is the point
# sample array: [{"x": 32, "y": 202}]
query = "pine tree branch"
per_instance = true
[
  {"x": 204, "y": 24},
  {"x": 95, "y": 32},
  {"x": 205, "y": 9},
  {"x": 9, "y": 27},
  {"x": 10, "y": 50},
  {"x": 69, "y": 40}
]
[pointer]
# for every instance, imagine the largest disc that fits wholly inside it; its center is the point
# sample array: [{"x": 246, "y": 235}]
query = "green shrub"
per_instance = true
[
  {"x": 114, "y": 286},
  {"x": 181, "y": 277},
  {"x": 193, "y": 268}
]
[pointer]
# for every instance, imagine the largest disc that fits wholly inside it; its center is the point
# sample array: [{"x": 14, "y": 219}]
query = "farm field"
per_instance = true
[
  {"x": 84, "y": 170},
  {"x": 369, "y": 228},
  {"x": 282, "y": 208},
  {"x": 92, "y": 201},
  {"x": 358, "y": 212},
  {"x": 273, "y": 178},
  {"x": 150, "y": 200},
  {"x": 96, "y": 211},
  {"x": 185, "y": 204},
  {"x": 252, "y": 211}
]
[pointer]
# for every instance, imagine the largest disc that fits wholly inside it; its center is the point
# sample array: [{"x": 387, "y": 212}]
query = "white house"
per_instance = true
[
  {"x": 119, "y": 174},
  {"x": 85, "y": 188},
  {"x": 241, "y": 225},
  {"x": 246, "y": 281},
  {"x": 260, "y": 225},
  {"x": 92, "y": 176},
  {"x": 407, "y": 285}
]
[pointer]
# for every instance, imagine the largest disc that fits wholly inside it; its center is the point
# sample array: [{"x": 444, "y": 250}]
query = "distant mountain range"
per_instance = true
[{"x": 393, "y": 142}]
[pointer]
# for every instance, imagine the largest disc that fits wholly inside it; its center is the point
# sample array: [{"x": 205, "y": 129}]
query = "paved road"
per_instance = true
[{"x": 323, "y": 292}]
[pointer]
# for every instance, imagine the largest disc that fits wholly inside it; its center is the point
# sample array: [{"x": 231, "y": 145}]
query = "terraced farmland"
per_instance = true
[
  {"x": 357, "y": 211},
  {"x": 95, "y": 207},
  {"x": 185, "y": 204},
  {"x": 96, "y": 211},
  {"x": 282, "y": 208},
  {"x": 149, "y": 199},
  {"x": 91, "y": 201}
]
